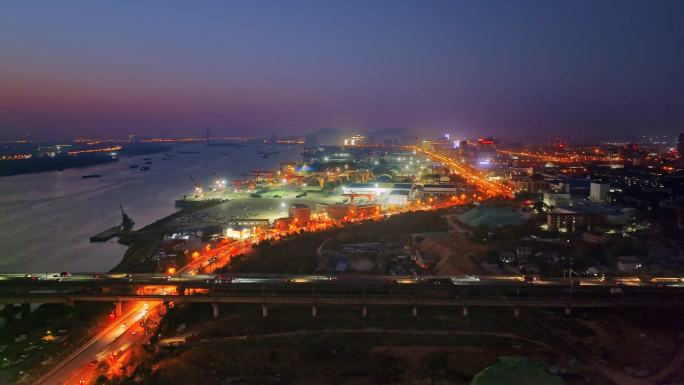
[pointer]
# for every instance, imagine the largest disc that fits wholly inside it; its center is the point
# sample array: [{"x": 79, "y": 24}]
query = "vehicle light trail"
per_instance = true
[{"x": 480, "y": 181}]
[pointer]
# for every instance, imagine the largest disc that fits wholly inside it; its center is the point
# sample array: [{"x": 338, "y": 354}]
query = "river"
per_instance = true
[{"x": 46, "y": 219}]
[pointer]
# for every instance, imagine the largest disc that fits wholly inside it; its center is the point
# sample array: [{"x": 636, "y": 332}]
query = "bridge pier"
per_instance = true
[
  {"x": 465, "y": 311},
  {"x": 314, "y": 310},
  {"x": 118, "y": 309},
  {"x": 264, "y": 311},
  {"x": 10, "y": 313},
  {"x": 516, "y": 312},
  {"x": 364, "y": 311},
  {"x": 25, "y": 310},
  {"x": 215, "y": 309},
  {"x": 165, "y": 308},
  {"x": 414, "y": 311},
  {"x": 6, "y": 315}
]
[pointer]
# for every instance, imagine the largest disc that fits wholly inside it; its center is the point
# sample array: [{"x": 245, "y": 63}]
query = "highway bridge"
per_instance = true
[{"x": 314, "y": 290}]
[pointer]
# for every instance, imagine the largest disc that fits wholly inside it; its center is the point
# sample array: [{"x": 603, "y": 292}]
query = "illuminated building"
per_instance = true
[
  {"x": 398, "y": 197},
  {"x": 533, "y": 184},
  {"x": 341, "y": 212},
  {"x": 554, "y": 199},
  {"x": 250, "y": 222},
  {"x": 338, "y": 212},
  {"x": 366, "y": 211},
  {"x": 240, "y": 232},
  {"x": 598, "y": 192},
  {"x": 486, "y": 152},
  {"x": 355, "y": 140},
  {"x": 300, "y": 213},
  {"x": 569, "y": 219},
  {"x": 440, "y": 190},
  {"x": 376, "y": 189},
  {"x": 401, "y": 194},
  {"x": 282, "y": 224}
]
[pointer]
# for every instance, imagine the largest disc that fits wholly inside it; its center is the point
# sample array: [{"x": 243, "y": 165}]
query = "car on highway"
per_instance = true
[
  {"x": 220, "y": 279},
  {"x": 437, "y": 281},
  {"x": 531, "y": 278}
]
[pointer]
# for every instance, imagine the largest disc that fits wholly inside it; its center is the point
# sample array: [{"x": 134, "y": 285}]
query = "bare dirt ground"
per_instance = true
[{"x": 454, "y": 252}]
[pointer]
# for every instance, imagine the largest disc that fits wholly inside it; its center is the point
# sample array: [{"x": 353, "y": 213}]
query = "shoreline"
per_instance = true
[{"x": 149, "y": 236}]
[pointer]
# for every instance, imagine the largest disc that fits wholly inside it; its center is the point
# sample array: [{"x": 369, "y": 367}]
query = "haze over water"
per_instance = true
[{"x": 46, "y": 219}]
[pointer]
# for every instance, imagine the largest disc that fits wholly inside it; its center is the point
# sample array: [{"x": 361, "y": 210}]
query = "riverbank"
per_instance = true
[
  {"x": 63, "y": 161},
  {"x": 142, "y": 243},
  {"x": 48, "y": 218}
]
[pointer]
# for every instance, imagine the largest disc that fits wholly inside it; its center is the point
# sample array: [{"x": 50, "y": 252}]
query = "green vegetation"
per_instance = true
[
  {"x": 60, "y": 162},
  {"x": 516, "y": 370}
]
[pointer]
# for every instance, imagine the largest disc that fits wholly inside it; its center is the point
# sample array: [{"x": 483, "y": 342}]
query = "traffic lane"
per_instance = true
[
  {"x": 94, "y": 347},
  {"x": 208, "y": 281},
  {"x": 112, "y": 355}
]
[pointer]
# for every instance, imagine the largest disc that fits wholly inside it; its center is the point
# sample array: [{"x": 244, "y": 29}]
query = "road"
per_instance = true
[
  {"x": 119, "y": 335},
  {"x": 81, "y": 281},
  {"x": 512, "y": 290},
  {"x": 113, "y": 342},
  {"x": 474, "y": 177}
]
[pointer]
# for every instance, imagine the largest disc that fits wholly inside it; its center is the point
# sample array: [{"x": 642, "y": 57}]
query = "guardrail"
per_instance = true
[{"x": 321, "y": 299}]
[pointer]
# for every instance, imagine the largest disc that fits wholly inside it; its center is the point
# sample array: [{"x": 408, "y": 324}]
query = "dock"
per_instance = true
[{"x": 106, "y": 235}]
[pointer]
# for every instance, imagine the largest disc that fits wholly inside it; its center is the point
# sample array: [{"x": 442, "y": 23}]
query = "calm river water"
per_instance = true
[{"x": 47, "y": 218}]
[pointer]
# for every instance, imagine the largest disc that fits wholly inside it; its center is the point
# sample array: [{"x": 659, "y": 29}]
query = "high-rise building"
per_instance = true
[
  {"x": 598, "y": 192},
  {"x": 486, "y": 152}
]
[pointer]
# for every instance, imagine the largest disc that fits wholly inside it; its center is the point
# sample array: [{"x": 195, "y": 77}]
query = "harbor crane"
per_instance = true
[
  {"x": 219, "y": 184},
  {"x": 198, "y": 188},
  {"x": 126, "y": 221}
]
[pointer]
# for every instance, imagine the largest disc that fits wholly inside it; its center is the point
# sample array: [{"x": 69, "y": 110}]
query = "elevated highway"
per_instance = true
[{"x": 465, "y": 291}]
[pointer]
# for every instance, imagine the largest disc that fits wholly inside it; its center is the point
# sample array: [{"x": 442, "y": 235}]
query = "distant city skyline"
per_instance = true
[{"x": 502, "y": 68}]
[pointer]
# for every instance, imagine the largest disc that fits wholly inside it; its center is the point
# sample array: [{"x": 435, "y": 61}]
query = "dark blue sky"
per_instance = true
[{"x": 505, "y": 68}]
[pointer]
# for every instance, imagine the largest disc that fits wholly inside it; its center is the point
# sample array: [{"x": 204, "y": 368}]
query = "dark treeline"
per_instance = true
[{"x": 60, "y": 162}]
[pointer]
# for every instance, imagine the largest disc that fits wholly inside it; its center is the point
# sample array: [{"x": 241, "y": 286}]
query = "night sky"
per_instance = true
[{"x": 503, "y": 68}]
